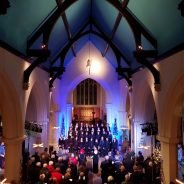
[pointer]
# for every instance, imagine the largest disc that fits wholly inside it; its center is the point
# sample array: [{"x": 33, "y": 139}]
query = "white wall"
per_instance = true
[
  {"x": 101, "y": 71},
  {"x": 13, "y": 103}
]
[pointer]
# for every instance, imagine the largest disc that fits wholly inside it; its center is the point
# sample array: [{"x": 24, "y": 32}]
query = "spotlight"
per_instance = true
[
  {"x": 139, "y": 47},
  {"x": 33, "y": 126}
]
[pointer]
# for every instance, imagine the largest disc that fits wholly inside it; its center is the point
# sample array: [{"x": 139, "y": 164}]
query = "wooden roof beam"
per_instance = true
[
  {"x": 38, "y": 52},
  {"x": 29, "y": 70},
  {"x": 49, "y": 22},
  {"x": 133, "y": 21},
  {"x": 117, "y": 22},
  {"x": 70, "y": 42},
  {"x": 67, "y": 27},
  {"x": 143, "y": 60},
  {"x": 116, "y": 49},
  {"x": 116, "y": 25},
  {"x": 68, "y": 31}
]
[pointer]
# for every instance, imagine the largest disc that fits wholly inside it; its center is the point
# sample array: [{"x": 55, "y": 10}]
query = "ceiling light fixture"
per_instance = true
[
  {"x": 139, "y": 47},
  {"x": 88, "y": 65}
]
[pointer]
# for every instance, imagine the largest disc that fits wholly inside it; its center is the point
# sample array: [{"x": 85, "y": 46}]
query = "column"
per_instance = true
[
  {"x": 52, "y": 123},
  {"x": 122, "y": 119},
  {"x": 122, "y": 126},
  {"x": 169, "y": 155},
  {"x": 109, "y": 114},
  {"x": 68, "y": 117},
  {"x": 53, "y": 126},
  {"x": 13, "y": 156},
  {"x": 137, "y": 136},
  {"x": 45, "y": 132}
]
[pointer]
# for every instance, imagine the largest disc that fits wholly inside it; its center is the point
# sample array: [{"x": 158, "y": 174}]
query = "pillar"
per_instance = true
[
  {"x": 45, "y": 133},
  {"x": 54, "y": 129},
  {"x": 52, "y": 123},
  {"x": 13, "y": 157},
  {"x": 109, "y": 114},
  {"x": 122, "y": 125},
  {"x": 169, "y": 155},
  {"x": 68, "y": 117},
  {"x": 122, "y": 119}
]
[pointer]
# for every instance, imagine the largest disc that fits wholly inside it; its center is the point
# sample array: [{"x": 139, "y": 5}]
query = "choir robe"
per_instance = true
[
  {"x": 106, "y": 146},
  {"x": 101, "y": 147},
  {"x": 95, "y": 161}
]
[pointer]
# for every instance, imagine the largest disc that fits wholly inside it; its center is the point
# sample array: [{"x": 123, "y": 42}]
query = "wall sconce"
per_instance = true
[
  {"x": 56, "y": 127},
  {"x": 124, "y": 127},
  {"x": 38, "y": 145}
]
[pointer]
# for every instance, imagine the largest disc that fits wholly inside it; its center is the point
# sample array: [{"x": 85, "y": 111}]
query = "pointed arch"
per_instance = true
[
  {"x": 80, "y": 78},
  {"x": 171, "y": 109},
  {"x": 37, "y": 110},
  {"x": 13, "y": 125},
  {"x": 145, "y": 102},
  {"x": 10, "y": 107}
]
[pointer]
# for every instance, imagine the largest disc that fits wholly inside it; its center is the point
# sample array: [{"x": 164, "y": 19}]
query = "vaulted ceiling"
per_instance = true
[{"x": 131, "y": 34}]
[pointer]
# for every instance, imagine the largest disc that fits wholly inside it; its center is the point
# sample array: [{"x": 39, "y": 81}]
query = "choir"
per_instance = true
[{"x": 89, "y": 136}]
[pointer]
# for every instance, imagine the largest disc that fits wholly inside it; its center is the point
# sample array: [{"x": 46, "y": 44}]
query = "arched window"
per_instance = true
[{"x": 87, "y": 92}]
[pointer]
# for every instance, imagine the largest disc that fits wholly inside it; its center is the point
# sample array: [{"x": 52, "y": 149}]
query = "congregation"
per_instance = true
[{"x": 77, "y": 163}]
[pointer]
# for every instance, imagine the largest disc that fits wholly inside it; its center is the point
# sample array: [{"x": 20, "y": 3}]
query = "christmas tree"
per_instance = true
[
  {"x": 115, "y": 128},
  {"x": 63, "y": 128}
]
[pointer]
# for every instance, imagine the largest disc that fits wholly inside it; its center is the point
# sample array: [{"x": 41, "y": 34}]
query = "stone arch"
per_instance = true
[
  {"x": 146, "y": 104},
  {"x": 80, "y": 78},
  {"x": 13, "y": 126},
  {"x": 144, "y": 111},
  {"x": 83, "y": 77},
  {"x": 37, "y": 110},
  {"x": 40, "y": 99},
  {"x": 171, "y": 110},
  {"x": 11, "y": 108},
  {"x": 169, "y": 128}
]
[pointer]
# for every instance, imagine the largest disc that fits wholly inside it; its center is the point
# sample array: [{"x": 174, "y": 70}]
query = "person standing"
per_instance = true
[
  {"x": 114, "y": 145},
  {"x": 125, "y": 146},
  {"x": 2, "y": 155},
  {"x": 95, "y": 161}
]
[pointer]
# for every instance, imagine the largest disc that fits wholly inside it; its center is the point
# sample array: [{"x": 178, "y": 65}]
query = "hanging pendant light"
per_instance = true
[{"x": 88, "y": 65}]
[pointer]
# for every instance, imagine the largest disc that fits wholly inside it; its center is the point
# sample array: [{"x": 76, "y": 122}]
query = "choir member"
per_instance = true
[{"x": 95, "y": 160}]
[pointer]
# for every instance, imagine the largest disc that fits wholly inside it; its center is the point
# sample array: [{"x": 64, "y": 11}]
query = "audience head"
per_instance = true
[
  {"x": 68, "y": 170},
  {"x": 53, "y": 156},
  {"x": 127, "y": 177},
  {"x": 122, "y": 168},
  {"x": 51, "y": 162},
  {"x": 150, "y": 163},
  {"x": 33, "y": 159},
  {"x": 110, "y": 178},
  {"x": 46, "y": 149},
  {"x": 38, "y": 164},
  {"x": 45, "y": 165},
  {"x": 106, "y": 157},
  {"x": 42, "y": 177}
]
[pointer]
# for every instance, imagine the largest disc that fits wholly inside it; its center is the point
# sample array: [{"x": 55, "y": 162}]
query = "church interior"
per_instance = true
[{"x": 100, "y": 77}]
